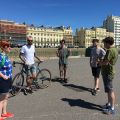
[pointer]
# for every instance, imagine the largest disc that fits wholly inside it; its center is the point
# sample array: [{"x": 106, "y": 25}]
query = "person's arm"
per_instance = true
[
  {"x": 68, "y": 52},
  {"x": 106, "y": 62},
  {"x": 37, "y": 57},
  {"x": 57, "y": 52},
  {"x": 21, "y": 57},
  {"x": 107, "y": 59},
  {"x": 102, "y": 54},
  {"x": 91, "y": 57},
  {"x": 21, "y": 54}
]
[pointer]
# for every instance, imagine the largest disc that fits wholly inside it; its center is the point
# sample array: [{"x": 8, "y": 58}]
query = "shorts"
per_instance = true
[
  {"x": 30, "y": 69},
  {"x": 96, "y": 71},
  {"x": 108, "y": 85},
  {"x": 5, "y": 85}
]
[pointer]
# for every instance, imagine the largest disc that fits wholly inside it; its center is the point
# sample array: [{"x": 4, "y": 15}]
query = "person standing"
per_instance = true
[
  {"x": 97, "y": 54},
  {"x": 108, "y": 73},
  {"x": 27, "y": 54},
  {"x": 63, "y": 54},
  {"x": 5, "y": 79}
]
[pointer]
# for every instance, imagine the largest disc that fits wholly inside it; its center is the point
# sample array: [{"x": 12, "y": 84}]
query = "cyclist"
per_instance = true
[
  {"x": 63, "y": 54},
  {"x": 27, "y": 55}
]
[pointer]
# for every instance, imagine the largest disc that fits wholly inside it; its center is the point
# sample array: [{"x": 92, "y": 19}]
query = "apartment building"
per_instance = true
[
  {"x": 112, "y": 24},
  {"x": 12, "y": 31},
  {"x": 49, "y": 36},
  {"x": 84, "y": 36}
]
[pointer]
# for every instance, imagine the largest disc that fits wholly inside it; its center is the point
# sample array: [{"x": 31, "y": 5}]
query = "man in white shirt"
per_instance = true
[{"x": 27, "y": 55}]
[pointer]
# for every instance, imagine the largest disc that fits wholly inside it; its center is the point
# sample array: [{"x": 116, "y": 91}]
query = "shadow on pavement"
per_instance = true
[
  {"x": 77, "y": 88},
  {"x": 82, "y": 103},
  {"x": 57, "y": 79}
]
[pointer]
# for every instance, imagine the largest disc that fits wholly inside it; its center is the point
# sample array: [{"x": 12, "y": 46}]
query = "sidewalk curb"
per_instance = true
[{"x": 69, "y": 57}]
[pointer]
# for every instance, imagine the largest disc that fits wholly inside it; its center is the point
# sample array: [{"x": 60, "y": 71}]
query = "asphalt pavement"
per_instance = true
[{"x": 71, "y": 101}]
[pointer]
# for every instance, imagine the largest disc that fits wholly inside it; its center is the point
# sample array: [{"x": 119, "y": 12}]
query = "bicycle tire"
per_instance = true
[
  {"x": 43, "y": 78},
  {"x": 17, "y": 84}
]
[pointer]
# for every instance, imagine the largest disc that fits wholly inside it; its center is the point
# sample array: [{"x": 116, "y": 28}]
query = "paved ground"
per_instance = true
[{"x": 72, "y": 101}]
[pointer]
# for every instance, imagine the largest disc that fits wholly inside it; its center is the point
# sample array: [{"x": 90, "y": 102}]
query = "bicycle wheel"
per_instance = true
[
  {"x": 43, "y": 78},
  {"x": 17, "y": 83}
]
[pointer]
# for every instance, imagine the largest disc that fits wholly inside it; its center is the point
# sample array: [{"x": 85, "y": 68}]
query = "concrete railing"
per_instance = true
[{"x": 50, "y": 52}]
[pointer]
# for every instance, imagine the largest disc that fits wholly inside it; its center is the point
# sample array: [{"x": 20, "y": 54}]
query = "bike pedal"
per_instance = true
[{"x": 25, "y": 92}]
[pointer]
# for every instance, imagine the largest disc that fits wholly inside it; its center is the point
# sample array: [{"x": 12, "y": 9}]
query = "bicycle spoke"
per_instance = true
[
  {"x": 43, "y": 78},
  {"x": 17, "y": 83}
]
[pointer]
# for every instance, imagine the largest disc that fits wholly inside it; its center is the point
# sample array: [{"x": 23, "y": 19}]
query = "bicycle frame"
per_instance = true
[{"x": 23, "y": 71}]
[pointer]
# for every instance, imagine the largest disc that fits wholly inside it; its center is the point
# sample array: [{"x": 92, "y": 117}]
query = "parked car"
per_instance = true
[
  {"x": 81, "y": 46},
  {"x": 20, "y": 45},
  {"x": 13, "y": 45},
  {"x": 76, "y": 46},
  {"x": 70, "y": 46}
]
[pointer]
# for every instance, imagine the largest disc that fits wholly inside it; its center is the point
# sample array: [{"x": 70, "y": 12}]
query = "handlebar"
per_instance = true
[
  {"x": 39, "y": 62},
  {"x": 14, "y": 63},
  {"x": 21, "y": 63}
]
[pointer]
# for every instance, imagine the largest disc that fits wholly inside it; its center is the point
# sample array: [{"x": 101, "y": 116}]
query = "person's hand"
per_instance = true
[
  {"x": 69, "y": 50},
  {"x": 5, "y": 77},
  {"x": 41, "y": 60},
  {"x": 24, "y": 62},
  {"x": 90, "y": 63},
  {"x": 100, "y": 63},
  {"x": 11, "y": 58}
]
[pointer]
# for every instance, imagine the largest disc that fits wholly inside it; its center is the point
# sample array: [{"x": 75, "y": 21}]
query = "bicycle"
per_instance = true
[{"x": 43, "y": 79}]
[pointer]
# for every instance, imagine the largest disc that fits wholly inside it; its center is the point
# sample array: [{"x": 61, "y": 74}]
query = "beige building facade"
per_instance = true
[
  {"x": 85, "y": 36},
  {"x": 49, "y": 36}
]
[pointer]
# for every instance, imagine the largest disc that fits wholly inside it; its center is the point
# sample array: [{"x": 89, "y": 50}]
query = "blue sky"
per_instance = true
[{"x": 74, "y": 13}]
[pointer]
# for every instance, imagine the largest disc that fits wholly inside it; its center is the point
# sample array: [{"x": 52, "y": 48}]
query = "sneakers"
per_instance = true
[
  {"x": 25, "y": 92},
  {"x": 106, "y": 106},
  {"x": 98, "y": 89},
  {"x": 2, "y": 118},
  {"x": 29, "y": 90},
  {"x": 94, "y": 92},
  {"x": 65, "y": 80},
  {"x": 109, "y": 111},
  {"x": 8, "y": 115}
]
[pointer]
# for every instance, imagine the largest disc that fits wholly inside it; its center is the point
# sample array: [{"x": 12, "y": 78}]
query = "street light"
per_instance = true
[{"x": 5, "y": 34}]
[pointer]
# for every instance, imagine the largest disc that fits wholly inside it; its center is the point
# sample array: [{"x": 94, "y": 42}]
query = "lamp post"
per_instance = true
[
  {"x": 10, "y": 38},
  {"x": 4, "y": 34}
]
